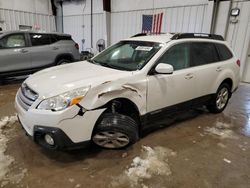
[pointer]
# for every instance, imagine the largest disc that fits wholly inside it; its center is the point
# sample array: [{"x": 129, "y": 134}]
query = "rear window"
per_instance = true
[
  {"x": 63, "y": 37},
  {"x": 203, "y": 53},
  {"x": 224, "y": 52}
]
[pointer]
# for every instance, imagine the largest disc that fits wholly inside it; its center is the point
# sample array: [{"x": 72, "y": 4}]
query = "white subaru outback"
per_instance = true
[{"x": 110, "y": 99}]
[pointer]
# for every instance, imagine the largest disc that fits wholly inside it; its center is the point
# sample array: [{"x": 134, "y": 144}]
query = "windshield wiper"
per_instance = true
[
  {"x": 112, "y": 66},
  {"x": 107, "y": 65}
]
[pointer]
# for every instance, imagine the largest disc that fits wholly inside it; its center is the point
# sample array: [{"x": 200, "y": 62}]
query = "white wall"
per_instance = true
[
  {"x": 76, "y": 21},
  {"x": 34, "y": 13},
  {"x": 34, "y": 6},
  {"x": 178, "y": 16},
  {"x": 238, "y": 34}
]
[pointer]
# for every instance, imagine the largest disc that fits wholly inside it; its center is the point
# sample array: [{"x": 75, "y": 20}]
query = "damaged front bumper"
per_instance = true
[{"x": 65, "y": 129}]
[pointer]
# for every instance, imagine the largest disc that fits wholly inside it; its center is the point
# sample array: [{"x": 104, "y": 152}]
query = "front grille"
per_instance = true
[{"x": 26, "y": 97}]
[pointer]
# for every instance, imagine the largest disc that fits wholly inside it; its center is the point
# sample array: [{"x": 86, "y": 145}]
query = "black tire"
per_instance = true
[
  {"x": 115, "y": 131},
  {"x": 62, "y": 61},
  {"x": 213, "y": 106},
  {"x": 2, "y": 80}
]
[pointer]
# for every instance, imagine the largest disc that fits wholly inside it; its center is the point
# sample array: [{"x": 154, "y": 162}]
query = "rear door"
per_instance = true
[
  {"x": 207, "y": 66},
  {"x": 14, "y": 53},
  {"x": 43, "y": 54}
]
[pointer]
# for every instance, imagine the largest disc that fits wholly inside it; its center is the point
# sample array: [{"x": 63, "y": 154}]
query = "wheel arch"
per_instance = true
[
  {"x": 123, "y": 106},
  {"x": 66, "y": 56},
  {"x": 227, "y": 77}
]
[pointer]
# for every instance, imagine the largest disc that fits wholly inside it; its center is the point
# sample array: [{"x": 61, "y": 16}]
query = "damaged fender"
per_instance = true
[{"x": 133, "y": 90}]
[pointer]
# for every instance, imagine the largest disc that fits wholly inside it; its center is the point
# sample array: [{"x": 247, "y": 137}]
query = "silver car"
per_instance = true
[{"x": 25, "y": 52}]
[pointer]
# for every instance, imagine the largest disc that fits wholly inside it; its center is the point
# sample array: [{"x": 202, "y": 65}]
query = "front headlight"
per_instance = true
[{"x": 60, "y": 102}]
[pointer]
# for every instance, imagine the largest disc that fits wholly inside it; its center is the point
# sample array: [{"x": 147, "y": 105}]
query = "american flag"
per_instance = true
[{"x": 152, "y": 23}]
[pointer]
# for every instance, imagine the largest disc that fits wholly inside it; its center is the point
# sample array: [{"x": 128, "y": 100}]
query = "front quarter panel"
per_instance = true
[{"x": 133, "y": 89}]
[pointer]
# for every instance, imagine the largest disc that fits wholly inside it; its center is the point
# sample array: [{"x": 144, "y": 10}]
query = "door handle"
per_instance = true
[
  {"x": 23, "y": 51},
  {"x": 219, "y": 69},
  {"x": 189, "y": 76},
  {"x": 55, "y": 48}
]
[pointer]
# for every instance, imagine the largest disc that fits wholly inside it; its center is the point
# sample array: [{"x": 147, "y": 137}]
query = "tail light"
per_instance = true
[
  {"x": 77, "y": 46},
  {"x": 238, "y": 62}
]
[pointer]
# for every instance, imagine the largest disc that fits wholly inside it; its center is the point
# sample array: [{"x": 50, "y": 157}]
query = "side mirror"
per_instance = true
[{"x": 163, "y": 68}]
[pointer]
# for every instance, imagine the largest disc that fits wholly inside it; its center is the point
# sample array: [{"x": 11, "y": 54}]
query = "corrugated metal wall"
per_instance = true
[
  {"x": 11, "y": 19},
  {"x": 190, "y": 18},
  {"x": 238, "y": 34},
  {"x": 79, "y": 27}
]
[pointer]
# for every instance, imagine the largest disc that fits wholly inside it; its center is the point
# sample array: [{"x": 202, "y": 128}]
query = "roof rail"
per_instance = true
[
  {"x": 197, "y": 35},
  {"x": 145, "y": 34}
]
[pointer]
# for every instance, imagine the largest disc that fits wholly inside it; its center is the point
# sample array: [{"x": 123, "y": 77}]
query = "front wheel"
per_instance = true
[
  {"x": 115, "y": 131},
  {"x": 220, "y": 100}
]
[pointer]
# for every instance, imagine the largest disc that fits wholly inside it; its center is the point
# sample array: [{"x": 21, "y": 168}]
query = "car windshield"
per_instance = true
[{"x": 127, "y": 55}]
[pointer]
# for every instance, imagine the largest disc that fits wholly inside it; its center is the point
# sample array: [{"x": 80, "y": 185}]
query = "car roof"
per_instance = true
[
  {"x": 20, "y": 31},
  {"x": 160, "y": 38},
  {"x": 166, "y": 37}
]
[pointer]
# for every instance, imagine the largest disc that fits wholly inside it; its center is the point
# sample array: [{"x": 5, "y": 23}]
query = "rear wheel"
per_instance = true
[
  {"x": 62, "y": 61},
  {"x": 220, "y": 100},
  {"x": 115, "y": 131}
]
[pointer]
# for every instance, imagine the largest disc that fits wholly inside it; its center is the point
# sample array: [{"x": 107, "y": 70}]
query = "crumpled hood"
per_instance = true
[{"x": 56, "y": 80}]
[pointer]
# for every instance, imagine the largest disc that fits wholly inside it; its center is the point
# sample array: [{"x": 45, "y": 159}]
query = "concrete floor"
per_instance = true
[{"x": 204, "y": 150}]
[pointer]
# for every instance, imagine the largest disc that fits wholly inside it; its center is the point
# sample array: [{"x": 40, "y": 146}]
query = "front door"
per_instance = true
[
  {"x": 167, "y": 90},
  {"x": 14, "y": 54}
]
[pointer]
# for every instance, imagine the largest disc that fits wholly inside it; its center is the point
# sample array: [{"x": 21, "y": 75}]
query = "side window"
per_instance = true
[
  {"x": 224, "y": 52},
  {"x": 177, "y": 56},
  {"x": 203, "y": 53},
  {"x": 13, "y": 41},
  {"x": 38, "y": 39},
  {"x": 53, "y": 39}
]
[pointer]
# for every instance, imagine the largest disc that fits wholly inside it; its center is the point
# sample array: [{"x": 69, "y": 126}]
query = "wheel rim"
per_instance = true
[
  {"x": 111, "y": 139},
  {"x": 222, "y": 98}
]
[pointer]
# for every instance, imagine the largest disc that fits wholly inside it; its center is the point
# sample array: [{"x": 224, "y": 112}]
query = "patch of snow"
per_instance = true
[
  {"x": 78, "y": 185},
  {"x": 222, "y": 130},
  {"x": 5, "y": 160},
  {"x": 71, "y": 180},
  {"x": 14, "y": 178},
  {"x": 226, "y": 160},
  {"x": 152, "y": 162},
  {"x": 6, "y": 176},
  {"x": 242, "y": 147},
  {"x": 221, "y": 145},
  {"x": 222, "y": 125}
]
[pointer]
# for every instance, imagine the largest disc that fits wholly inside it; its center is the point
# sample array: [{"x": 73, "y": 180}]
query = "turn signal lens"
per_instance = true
[{"x": 76, "y": 100}]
